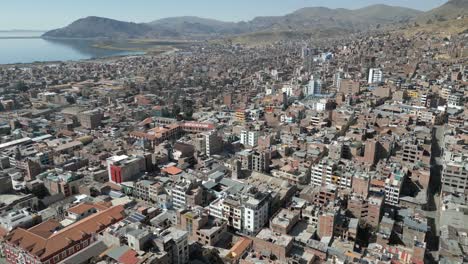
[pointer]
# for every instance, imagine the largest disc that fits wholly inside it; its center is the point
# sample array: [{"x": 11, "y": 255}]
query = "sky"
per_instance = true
[{"x": 50, "y": 14}]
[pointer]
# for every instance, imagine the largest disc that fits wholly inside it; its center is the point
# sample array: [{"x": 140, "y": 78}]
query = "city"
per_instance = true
[{"x": 346, "y": 149}]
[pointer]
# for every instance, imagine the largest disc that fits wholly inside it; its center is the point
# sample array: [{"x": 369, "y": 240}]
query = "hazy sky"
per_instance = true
[{"x": 49, "y": 14}]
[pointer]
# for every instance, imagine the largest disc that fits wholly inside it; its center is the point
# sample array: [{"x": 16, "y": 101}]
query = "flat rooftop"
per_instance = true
[{"x": 275, "y": 238}]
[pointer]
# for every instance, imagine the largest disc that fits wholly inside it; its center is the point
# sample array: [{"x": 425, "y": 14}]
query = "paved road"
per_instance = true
[{"x": 433, "y": 212}]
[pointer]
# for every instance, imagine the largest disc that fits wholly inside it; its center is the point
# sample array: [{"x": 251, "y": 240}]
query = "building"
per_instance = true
[
  {"x": 61, "y": 182},
  {"x": 246, "y": 212},
  {"x": 186, "y": 193},
  {"x": 43, "y": 244},
  {"x": 392, "y": 191},
  {"x": 249, "y": 138},
  {"x": 18, "y": 218},
  {"x": 261, "y": 161},
  {"x": 314, "y": 87},
  {"x": 268, "y": 243},
  {"x": 284, "y": 221},
  {"x": 326, "y": 224},
  {"x": 142, "y": 189},
  {"x": 255, "y": 212},
  {"x": 349, "y": 87},
  {"x": 175, "y": 242},
  {"x": 240, "y": 116},
  {"x": 322, "y": 173},
  {"x": 371, "y": 152},
  {"x": 90, "y": 119},
  {"x": 201, "y": 228},
  {"x": 125, "y": 168},
  {"x": 455, "y": 177},
  {"x": 213, "y": 143},
  {"x": 455, "y": 100},
  {"x": 375, "y": 76}
]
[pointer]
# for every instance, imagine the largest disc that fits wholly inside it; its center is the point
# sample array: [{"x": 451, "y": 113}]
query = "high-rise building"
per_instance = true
[
  {"x": 455, "y": 177},
  {"x": 90, "y": 119},
  {"x": 213, "y": 143},
  {"x": 261, "y": 161},
  {"x": 249, "y": 138},
  {"x": 375, "y": 76},
  {"x": 246, "y": 212},
  {"x": 124, "y": 168},
  {"x": 314, "y": 87}
]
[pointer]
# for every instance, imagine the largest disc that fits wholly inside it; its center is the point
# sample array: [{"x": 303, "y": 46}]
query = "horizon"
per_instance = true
[{"x": 66, "y": 13}]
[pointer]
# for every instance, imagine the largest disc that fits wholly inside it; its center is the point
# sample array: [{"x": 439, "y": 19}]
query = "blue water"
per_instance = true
[{"x": 27, "y": 47}]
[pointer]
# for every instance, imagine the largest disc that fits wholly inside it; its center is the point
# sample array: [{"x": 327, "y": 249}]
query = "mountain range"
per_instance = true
[{"x": 303, "y": 20}]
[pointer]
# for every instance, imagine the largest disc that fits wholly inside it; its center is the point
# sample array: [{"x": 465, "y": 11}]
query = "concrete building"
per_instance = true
[
  {"x": 284, "y": 221},
  {"x": 41, "y": 244},
  {"x": 201, "y": 228},
  {"x": 213, "y": 143},
  {"x": 455, "y": 177},
  {"x": 249, "y": 138},
  {"x": 375, "y": 76},
  {"x": 322, "y": 172},
  {"x": 175, "y": 242},
  {"x": 261, "y": 161},
  {"x": 268, "y": 243},
  {"x": 90, "y": 119},
  {"x": 125, "y": 168},
  {"x": 186, "y": 193},
  {"x": 314, "y": 87}
]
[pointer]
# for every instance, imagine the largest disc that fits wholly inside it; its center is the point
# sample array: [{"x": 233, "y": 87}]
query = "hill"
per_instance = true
[
  {"x": 305, "y": 19},
  {"x": 190, "y": 25},
  {"x": 99, "y": 27},
  {"x": 453, "y": 9}
]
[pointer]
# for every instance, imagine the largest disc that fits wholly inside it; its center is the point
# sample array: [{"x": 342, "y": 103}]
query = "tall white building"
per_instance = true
[
  {"x": 313, "y": 88},
  {"x": 322, "y": 173},
  {"x": 249, "y": 138},
  {"x": 375, "y": 76},
  {"x": 255, "y": 214},
  {"x": 247, "y": 212},
  {"x": 392, "y": 191}
]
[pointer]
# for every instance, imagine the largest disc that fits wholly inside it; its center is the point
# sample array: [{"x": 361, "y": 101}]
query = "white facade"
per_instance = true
[
  {"x": 375, "y": 76},
  {"x": 287, "y": 89},
  {"x": 255, "y": 218},
  {"x": 249, "y": 216},
  {"x": 455, "y": 100},
  {"x": 320, "y": 170},
  {"x": 249, "y": 138},
  {"x": 392, "y": 191},
  {"x": 313, "y": 88}
]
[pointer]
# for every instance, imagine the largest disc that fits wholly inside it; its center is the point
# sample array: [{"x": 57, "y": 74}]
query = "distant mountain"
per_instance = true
[
  {"x": 99, "y": 27},
  {"x": 451, "y": 10},
  {"x": 321, "y": 18},
  {"x": 305, "y": 19},
  {"x": 190, "y": 25}
]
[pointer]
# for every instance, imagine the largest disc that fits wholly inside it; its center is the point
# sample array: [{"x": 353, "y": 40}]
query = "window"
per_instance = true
[
  {"x": 85, "y": 243},
  {"x": 71, "y": 251},
  {"x": 64, "y": 254},
  {"x": 56, "y": 258}
]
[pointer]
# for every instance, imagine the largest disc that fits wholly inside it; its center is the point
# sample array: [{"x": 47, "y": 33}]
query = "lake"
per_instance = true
[{"x": 27, "y": 47}]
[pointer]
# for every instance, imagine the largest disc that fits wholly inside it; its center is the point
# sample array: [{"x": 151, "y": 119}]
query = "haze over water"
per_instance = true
[{"x": 27, "y": 47}]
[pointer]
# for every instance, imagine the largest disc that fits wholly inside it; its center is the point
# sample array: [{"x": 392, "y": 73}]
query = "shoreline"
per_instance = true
[{"x": 141, "y": 47}]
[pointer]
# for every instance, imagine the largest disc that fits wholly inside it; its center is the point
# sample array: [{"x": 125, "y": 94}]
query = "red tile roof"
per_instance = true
[
  {"x": 129, "y": 257},
  {"x": 172, "y": 170},
  {"x": 85, "y": 207},
  {"x": 45, "y": 248}
]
